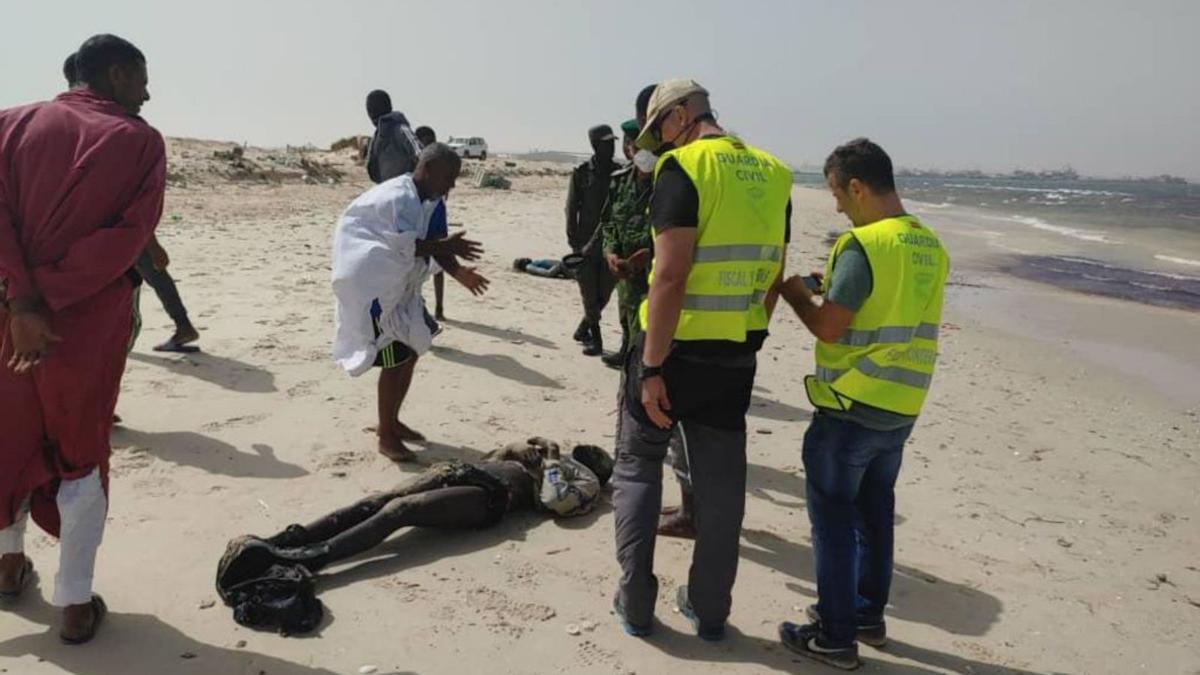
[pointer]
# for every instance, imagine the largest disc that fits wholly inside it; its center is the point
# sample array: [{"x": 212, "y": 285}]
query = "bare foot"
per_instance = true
[
  {"x": 407, "y": 433},
  {"x": 677, "y": 524},
  {"x": 393, "y": 448}
]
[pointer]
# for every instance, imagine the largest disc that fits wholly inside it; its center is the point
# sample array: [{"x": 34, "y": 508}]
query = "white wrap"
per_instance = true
[{"x": 374, "y": 258}]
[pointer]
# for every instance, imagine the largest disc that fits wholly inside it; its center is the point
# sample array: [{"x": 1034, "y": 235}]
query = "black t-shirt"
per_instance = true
[{"x": 676, "y": 203}]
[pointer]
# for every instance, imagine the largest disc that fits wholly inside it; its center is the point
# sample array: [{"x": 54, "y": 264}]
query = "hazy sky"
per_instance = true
[{"x": 1109, "y": 87}]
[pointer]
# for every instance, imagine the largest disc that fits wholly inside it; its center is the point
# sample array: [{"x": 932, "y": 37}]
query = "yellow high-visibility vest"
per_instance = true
[
  {"x": 743, "y": 195},
  {"x": 886, "y": 358}
]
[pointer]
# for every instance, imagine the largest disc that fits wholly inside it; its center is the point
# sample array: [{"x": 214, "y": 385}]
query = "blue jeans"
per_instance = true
[{"x": 851, "y": 472}]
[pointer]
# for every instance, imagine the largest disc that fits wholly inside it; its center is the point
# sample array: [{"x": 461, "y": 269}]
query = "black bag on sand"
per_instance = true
[{"x": 281, "y": 598}]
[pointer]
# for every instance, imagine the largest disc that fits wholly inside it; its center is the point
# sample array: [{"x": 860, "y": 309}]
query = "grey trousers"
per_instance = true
[{"x": 717, "y": 463}]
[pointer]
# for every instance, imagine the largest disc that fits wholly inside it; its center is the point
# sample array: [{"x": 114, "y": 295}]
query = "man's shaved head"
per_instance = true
[{"x": 437, "y": 170}]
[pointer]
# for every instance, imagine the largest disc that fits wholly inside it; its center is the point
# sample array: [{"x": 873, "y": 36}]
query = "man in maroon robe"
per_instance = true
[{"x": 81, "y": 191}]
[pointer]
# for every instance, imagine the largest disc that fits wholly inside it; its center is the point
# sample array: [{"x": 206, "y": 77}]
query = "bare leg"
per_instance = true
[
  {"x": 393, "y": 387},
  {"x": 439, "y": 289},
  {"x": 450, "y": 507},
  {"x": 333, "y": 524}
]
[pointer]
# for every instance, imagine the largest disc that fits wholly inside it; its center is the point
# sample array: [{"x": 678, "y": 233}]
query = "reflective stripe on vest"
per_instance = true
[
  {"x": 910, "y": 378},
  {"x": 740, "y": 253},
  {"x": 722, "y": 303},
  {"x": 889, "y": 335}
]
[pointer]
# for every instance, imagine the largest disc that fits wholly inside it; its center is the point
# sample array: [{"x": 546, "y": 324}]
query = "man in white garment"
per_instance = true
[{"x": 381, "y": 258}]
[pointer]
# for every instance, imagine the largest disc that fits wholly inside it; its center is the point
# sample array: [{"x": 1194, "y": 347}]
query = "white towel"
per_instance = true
[{"x": 374, "y": 258}]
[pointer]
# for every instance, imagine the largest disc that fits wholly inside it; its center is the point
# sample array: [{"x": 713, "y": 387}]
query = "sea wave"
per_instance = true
[
  {"x": 1048, "y": 191},
  {"x": 1177, "y": 260},
  {"x": 1080, "y": 233}
]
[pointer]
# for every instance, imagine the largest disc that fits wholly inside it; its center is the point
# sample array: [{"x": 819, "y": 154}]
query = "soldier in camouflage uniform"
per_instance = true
[{"x": 627, "y": 241}]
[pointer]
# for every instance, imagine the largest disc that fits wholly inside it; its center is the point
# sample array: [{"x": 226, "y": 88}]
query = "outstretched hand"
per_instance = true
[
  {"x": 471, "y": 280},
  {"x": 459, "y": 246}
]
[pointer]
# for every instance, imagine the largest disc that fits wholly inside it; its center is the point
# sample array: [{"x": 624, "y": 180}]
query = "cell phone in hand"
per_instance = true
[{"x": 812, "y": 283}]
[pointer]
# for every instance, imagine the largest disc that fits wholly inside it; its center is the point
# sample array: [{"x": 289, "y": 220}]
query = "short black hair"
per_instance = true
[
  {"x": 643, "y": 100},
  {"x": 378, "y": 104},
  {"x": 863, "y": 159},
  {"x": 100, "y": 52},
  {"x": 70, "y": 72},
  {"x": 425, "y": 134}
]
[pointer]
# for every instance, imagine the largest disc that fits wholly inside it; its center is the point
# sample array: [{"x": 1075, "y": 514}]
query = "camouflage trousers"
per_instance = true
[{"x": 630, "y": 293}]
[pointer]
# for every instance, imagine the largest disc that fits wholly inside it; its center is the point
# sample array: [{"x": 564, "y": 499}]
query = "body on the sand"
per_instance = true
[
  {"x": 65, "y": 257},
  {"x": 876, "y": 330},
  {"x": 380, "y": 262},
  {"x": 527, "y": 476}
]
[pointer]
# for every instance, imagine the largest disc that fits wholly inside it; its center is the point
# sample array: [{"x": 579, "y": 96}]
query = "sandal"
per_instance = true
[
  {"x": 99, "y": 609},
  {"x": 22, "y": 582}
]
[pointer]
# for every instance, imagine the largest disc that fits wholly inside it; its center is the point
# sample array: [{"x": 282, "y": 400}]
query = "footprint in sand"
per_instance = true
[{"x": 240, "y": 421}]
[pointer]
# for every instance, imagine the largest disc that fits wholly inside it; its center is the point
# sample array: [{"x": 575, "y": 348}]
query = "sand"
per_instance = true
[{"x": 1047, "y": 507}]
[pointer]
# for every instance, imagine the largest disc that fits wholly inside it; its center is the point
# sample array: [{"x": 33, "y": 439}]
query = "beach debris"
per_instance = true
[
  {"x": 1065, "y": 543},
  {"x": 588, "y": 626},
  {"x": 187, "y": 655},
  {"x": 239, "y": 644},
  {"x": 207, "y": 603},
  {"x": 556, "y": 551},
  {"x": 367, "y": 670},
  {"x": 494, "y": 181},
  {"x": 573, "y": 629}
]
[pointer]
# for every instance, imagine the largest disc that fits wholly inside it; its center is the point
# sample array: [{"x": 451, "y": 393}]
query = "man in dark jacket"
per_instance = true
[{"x": 585, "y": 200}]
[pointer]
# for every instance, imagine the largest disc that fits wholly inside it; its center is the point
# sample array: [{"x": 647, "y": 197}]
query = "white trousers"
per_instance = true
[{"x": 82, "y": 508}]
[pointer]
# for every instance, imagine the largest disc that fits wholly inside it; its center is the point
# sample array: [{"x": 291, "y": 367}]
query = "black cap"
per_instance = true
[
  {"x": 601, "y": 132},
  {"x": 643, "y": 101}
]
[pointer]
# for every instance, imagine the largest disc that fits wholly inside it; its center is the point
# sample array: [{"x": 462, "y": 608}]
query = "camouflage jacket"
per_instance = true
[{"x": 625, "y": 220}]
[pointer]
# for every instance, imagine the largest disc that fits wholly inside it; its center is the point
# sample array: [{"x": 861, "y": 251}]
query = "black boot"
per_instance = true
[
  {"x": 595, "y": 344},
  {"x": 617, "y": 358},
  {"x": 582, "y": 333}
]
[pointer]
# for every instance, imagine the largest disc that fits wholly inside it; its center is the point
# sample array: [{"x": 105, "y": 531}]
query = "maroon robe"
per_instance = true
[{"x": 81, "y": 191}]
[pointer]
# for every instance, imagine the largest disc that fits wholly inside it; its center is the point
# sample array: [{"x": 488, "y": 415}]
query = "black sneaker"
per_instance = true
[
  {"x": 630, "y": 628},
  {"x": 593, "y": 347},
  {"x": 806, "y": 641},
  {"x": 873, "y": 633},
  {"x": 709, "y": 633}
]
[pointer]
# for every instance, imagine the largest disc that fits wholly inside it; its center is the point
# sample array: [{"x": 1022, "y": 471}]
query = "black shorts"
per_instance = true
[{"x": 394, "y": 355}]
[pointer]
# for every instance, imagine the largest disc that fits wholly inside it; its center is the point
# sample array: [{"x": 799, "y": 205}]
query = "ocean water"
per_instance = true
[{"x": 1132, "y": 240}]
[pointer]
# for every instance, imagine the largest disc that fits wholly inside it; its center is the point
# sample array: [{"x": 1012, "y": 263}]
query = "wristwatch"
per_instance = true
[{"x": 648, "y": 372}]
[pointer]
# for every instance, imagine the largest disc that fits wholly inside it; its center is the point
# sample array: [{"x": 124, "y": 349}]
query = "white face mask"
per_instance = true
[{"x": 645, "y": 161}]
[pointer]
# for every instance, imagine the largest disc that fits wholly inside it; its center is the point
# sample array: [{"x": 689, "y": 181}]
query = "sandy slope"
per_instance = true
[{"x": 1048, "y": 509}]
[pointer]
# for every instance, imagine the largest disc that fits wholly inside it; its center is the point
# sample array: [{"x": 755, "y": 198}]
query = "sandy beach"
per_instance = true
[{"x": 1048, "y": 512}]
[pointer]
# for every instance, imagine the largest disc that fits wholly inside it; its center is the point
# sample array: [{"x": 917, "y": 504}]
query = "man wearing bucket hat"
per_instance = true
[
  {"x": 585, "y": 198},
  {"x": 719, "y": 212}
]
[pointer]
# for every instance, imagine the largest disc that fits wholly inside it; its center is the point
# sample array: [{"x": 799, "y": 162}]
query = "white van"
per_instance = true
[{"x": 469, "y": 147}]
